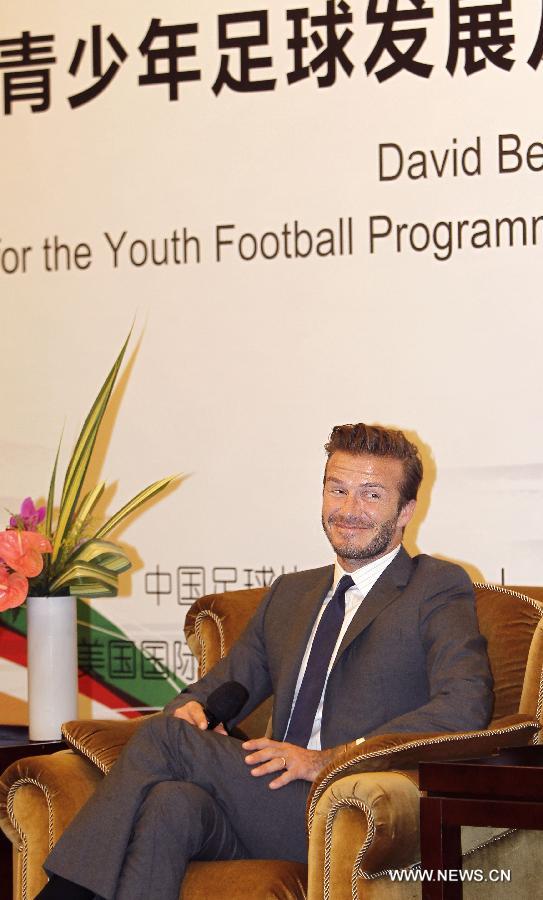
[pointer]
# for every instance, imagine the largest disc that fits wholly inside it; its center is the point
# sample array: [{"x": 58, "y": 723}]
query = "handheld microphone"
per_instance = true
[{"x": 225, "y": 703}]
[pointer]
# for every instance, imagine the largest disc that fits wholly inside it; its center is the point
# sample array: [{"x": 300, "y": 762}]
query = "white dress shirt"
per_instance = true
[{"x": 364, "y": 578}]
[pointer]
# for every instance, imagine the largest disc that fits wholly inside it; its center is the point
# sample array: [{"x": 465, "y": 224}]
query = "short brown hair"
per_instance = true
[{"x": 378, "y": 441}]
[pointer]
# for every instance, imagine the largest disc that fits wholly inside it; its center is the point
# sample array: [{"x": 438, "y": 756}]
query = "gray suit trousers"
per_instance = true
[{"x": 175, "y": 794}]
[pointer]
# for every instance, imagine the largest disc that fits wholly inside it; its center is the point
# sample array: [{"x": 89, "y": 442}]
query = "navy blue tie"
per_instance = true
[{"x": 307, "y": 702}]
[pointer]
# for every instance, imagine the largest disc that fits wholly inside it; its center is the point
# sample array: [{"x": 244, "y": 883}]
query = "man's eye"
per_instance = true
[{"x": 373, "y": 495}]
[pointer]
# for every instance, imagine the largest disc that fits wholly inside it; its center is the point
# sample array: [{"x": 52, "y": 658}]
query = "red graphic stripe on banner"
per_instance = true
[
  {"x": 13, "y": 648},
  {"x": 94, "y": 689}
]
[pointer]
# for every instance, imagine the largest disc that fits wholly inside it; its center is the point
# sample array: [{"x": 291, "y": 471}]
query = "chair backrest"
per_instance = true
[
  {"x": 511, "y": 620},
  {"x": 215, "y": 621},
  {"x": 512, "y": 623}
]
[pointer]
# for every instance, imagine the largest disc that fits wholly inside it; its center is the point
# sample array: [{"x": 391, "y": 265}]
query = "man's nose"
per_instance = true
[{"x": 352, "y": 505}]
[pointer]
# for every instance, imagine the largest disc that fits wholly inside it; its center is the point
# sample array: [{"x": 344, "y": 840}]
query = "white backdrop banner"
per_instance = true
[{"x": 315, "y": 215}]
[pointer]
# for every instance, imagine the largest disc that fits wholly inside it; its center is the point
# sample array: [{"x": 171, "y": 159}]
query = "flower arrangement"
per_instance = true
[{"x": 78, "y": 559}]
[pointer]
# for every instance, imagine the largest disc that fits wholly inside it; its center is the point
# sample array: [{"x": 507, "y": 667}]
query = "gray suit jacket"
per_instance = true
[{"x": 412, "y": 659}]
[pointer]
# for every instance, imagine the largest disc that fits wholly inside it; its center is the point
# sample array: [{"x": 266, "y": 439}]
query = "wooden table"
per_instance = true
[
  {"x": 14, "y": 745},
  {"x": 505, "y": 790}
]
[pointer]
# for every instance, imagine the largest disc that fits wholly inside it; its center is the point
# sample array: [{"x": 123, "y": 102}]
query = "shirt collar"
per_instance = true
[{"x": 366, "y": 576}]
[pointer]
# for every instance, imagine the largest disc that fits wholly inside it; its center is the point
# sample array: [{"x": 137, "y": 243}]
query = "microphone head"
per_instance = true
[{"x": 225, "y": 702}]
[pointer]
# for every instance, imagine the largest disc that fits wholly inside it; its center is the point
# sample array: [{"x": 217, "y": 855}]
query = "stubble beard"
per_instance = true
[{"x": 378, "y": 545}]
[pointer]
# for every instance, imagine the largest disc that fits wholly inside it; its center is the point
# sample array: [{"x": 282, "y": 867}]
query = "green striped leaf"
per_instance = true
[
  {"x": 69, "y": 503},
  {"x": 102, "y": 553},
  {"x": 80, "y": 525},
  {"x": 95, "y": 415},
  {"x": 134, "y": 504},
  {"x": 77, "y": 467},
  {"x": 51, "y": 496},
  {"x": 85, "y": 580}
]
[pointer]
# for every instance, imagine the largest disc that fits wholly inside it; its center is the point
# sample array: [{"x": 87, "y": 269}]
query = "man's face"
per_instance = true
[{"x": 360, "y": 507}]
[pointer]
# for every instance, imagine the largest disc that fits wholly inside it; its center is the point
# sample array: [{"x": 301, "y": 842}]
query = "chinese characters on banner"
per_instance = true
[
  {"x": 117, "y": 660},
  {"x": 191, "y": 582},
  {"x": 121, "y": 663},
  {"x": 480, "y": 35}
]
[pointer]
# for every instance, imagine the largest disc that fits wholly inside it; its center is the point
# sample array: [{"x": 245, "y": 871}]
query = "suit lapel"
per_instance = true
[
  {"x": 386, "y": 590},
  {"x": 305, "y": 607}
]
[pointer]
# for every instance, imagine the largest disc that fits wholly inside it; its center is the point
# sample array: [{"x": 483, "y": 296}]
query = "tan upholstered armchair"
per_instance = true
[{"x": 363, "y": 810}]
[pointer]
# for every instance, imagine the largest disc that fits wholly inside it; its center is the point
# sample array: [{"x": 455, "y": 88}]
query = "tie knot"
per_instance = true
[{"x": 343, "y": 585}]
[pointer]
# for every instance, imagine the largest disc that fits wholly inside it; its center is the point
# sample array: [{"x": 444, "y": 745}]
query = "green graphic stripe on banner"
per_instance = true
[
  {"x": 107, "y": 655},
  {"x": 107, "y": 652}
]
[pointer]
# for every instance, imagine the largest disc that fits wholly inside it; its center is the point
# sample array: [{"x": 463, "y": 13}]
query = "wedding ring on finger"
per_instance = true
[{"x": 284, "y": 766}]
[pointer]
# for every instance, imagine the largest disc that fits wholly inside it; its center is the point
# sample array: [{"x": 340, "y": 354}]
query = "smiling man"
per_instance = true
[
  {"x": 365, "y": 510},
  {"x": 378, "y": 642}
]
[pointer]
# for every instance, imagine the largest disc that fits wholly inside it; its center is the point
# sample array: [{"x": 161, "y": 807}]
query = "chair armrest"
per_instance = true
[
  {"x": 362, "y": 824},
  {"x": 39, "y": 797},
  {"x": 405, "y": 751},
  {"x": 101, "y": 740}
]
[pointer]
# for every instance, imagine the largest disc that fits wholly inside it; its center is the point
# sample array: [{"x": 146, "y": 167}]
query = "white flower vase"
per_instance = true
[{"x": 52, "y": 665}]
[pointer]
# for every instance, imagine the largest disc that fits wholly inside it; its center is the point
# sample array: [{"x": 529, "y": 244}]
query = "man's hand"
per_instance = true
[
  {"x": 291, "y": 761},
  {"x": 193, "y": 713}
]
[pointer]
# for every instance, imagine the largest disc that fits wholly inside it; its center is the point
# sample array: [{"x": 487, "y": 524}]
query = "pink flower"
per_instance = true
[
  {"x": 13, "y": 589},
  {"x": 29, "y": 517},
  {"x": 22, "y": 551}
]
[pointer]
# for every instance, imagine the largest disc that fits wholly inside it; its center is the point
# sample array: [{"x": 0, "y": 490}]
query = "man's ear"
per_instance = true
[{"x": 406, "y": 513}]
